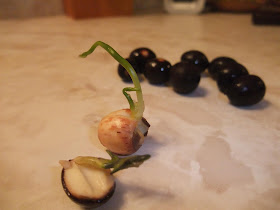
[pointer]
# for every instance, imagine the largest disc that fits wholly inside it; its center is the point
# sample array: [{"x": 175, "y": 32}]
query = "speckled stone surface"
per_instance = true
[{"x": 206, "y": 153}]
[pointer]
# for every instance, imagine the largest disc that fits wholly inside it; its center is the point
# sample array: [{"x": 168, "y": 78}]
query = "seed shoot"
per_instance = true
[
  {"x": 123, "y": 131},
  {"x": 137, "y": 108}
]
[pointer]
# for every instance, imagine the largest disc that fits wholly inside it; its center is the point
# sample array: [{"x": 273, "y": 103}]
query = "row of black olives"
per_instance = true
[{"x": 233, "y": 79}]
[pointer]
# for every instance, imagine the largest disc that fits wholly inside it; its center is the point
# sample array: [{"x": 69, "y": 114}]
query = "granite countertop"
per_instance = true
[{"x": 206, "y": 153}]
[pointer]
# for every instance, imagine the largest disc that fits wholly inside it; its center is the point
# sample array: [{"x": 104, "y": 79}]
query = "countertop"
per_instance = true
[{"x": 205, "y": 153}]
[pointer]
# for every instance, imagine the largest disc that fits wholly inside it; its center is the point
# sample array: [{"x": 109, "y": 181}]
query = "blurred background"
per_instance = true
[{"x": 96, "y": 8}]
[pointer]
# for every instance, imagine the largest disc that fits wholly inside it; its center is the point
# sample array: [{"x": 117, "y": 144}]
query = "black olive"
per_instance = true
[
  {"x": 197, "y": 58},
  {"x": 141, "y": 56},
  {"x": 246, "y": 90},
  {"x": 243, "y": 69},
  {"x": 217, "y": 64},
  {"x": 124, "y": 74},
  {"x": 228, "y": 74},
  {"x": 157, "y": 71},
  {"x": 184, "y": 77}
]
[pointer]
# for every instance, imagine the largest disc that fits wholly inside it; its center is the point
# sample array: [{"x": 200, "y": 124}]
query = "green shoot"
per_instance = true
[
  {"x": 116, "y": 163},
  {"x": 137, "y": 108}
]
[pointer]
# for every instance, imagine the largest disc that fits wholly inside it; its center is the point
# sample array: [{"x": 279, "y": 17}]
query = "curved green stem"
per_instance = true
[
  {"x": 116, "y": 163},
  {"x": 137, "y": 109},
  {"x": 128, "y": 97}
]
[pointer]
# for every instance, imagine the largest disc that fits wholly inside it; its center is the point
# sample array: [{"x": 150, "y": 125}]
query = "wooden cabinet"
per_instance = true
[{"x": 78, "y": 9}]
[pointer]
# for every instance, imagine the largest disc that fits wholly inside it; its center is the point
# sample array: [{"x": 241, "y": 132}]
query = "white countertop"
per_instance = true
[{"x": 206, "y": 153}]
